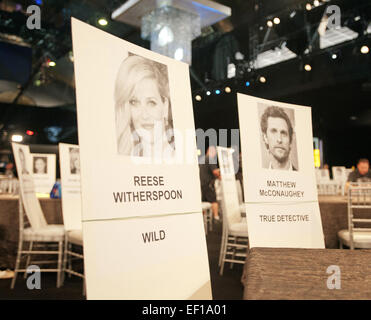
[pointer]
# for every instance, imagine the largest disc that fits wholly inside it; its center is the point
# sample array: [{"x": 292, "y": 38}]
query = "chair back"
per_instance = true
[
  {"x": 27, "y": 195},
  {"x": 71, "y": 186},
  {"x": 339, "y": 174},
  {"x": 230, "y": 202},
  {"x": 359, "y": 209}
]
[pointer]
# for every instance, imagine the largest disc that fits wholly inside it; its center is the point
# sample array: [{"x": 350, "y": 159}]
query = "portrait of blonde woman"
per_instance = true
[{"x": 144, "y": 125}]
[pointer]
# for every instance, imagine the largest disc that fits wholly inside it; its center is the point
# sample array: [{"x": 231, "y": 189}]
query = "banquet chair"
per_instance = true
[
  {"x": 208, "y": 216},
  {"x": 234, "y": 241},
  {"x": 41, "y": 236},
  {"x": 359, "y": 199}
]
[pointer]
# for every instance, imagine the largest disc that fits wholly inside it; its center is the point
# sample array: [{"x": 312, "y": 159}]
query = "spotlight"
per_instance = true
[
  {"x": 308, "y": 67},
  {"x": 51, "y": 64},
  {"x": 276, "y": 20},
  {"x": 30, "y": 132},
  {"x": 227, "y": 89},
  {"x": 208, "y": 93},
  {"x": 262, "y": 79},
  {"x": 292, "y": 14},
  {"x": 247, "y": 83},
  {"x": 217, "y": 91},
  {"x": 334, "y": 56},
  {"x": 198, "y": 97},
  {"x": 17, "y": 138},
  {"x": 102, "y": 22},
  {"x": 365, "y": 49},
  {"x": 357, "y": 18},
  {"x": 269, "y": 24},
  {"x": 316, "y": 3},
  {"x": 308, "y": 6}
]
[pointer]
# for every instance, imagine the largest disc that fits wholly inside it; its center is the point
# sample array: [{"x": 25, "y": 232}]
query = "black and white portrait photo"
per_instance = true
[
  {"x": 74, "y": 160},
  {"x": 226, "y": 163},
  {"x": 40, "y": 165},
  {"x": 22, "y": 158},
  {"x": 144, "y": 124},
  {"x": 279, "y": 150}
]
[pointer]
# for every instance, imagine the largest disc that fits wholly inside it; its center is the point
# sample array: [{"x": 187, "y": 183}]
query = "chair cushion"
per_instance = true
[
  {"x": 206, "y": 205},
  {"x": 361, "y": 239},
  {"x": 75, "y": 236},
  {"x": 50, "y": 233},
  {"x": 239, "y": 229}
]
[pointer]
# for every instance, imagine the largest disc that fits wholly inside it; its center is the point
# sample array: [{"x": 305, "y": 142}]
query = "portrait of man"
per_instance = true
[
  {"x": 40, "y": 165},
  {"x": 277, "y": 131}
]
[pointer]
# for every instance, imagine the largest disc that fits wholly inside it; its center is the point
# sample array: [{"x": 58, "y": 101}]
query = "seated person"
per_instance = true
[
  {"x": 209, "y": 171},
  {"x": 362, "y": 173}
]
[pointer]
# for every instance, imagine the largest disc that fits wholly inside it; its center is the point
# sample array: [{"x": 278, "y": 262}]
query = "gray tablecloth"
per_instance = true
[{"x": 277, "y": 273}]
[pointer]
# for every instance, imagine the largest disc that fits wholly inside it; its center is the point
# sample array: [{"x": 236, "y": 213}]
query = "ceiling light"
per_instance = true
[
  {"x": 292, "y": 14},
  {"x": 227, "y": 89},
  {"x": 269, "y": 24},
  {"x": 357, "y": 18},
  {"x": 308, "y": 67},
  {"x": 365, "y": 49},
  {"x": 51, "y": 64},
  {"x": 334, "y": 56},
  {"x": 17, "y": 138},
  {"x": 247, "y": 83},
  {"x": 102, "y": 22},
  {"x": 217, "y": 91},
  {"x": 262, "y": 79},
  {"x": 208, "y": 93},
  {"x": 198, "y": 98},
  {"x": 276, "y": 20}
]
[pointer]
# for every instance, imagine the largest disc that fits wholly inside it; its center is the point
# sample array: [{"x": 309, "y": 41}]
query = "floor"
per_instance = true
[{"x": 226, "y": 287}]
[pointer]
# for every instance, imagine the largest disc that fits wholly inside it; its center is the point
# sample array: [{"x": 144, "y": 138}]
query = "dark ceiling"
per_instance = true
[{"x": 338, "y": 91}]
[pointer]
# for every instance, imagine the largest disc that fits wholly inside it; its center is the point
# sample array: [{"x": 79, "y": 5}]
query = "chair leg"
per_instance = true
[
  {"x": 234, "y": 252},
  {"x": 18, "y": 260},
  {"x": 69, "y": 259},
  {"x": 225, "y": 246},
  {"x": 221, "y": 247},
  {"x": 341, "y": 245},
  {"x": 28, "y": 259},
  {"x": 84, "y": 287},
  {"x": 65, "y": 257},
  {"x": 60, "y": 253}
]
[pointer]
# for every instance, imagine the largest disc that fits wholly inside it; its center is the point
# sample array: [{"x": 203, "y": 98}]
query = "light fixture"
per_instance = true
[
  {"x": 17, "y": 138},
  {"x": 227, "y": 90},
  {"x": 292, "y": 14},
  {"x": 198, "y": 98},
  {"x": 308, "y": 6},
  {"x": 365, "y": 49},
  {"x": 269, "y": 23},
  {"x": 30, "y": 132},
  {"x": 208, "y": 93},
  {"x": 102, "y": 21},
  {"x": 316, "y": 3},
  {"x": 334, "y": 56},
  {"x": 247, "y": 83},
  {"x": 217, "y": 91},
  {"x": 179, "y": 54},
  {"x": 276, "y": 20},
  {"x": 307, "y": 67},
  {"x": 51, "y": 64},
  {"x": 357, "y": 18},
  {"x": 262, "y": 79},
  {"x": 171, "y": 25}
]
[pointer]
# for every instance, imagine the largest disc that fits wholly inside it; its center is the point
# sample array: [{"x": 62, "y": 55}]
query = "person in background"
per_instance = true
[
  {"x": 209, "y": 171},
  {"x": 362, "y": 173}
]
